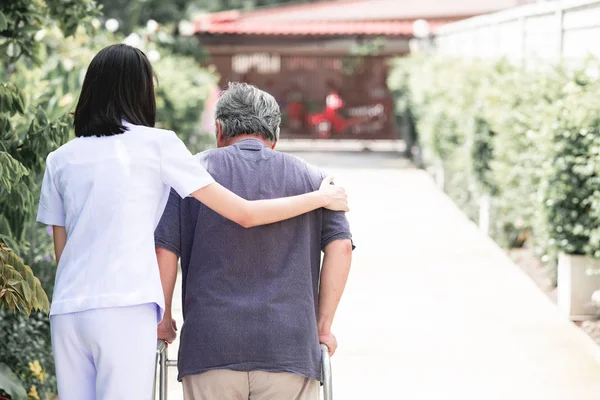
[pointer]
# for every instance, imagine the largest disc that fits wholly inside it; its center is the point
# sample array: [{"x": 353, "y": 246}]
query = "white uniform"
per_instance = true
[{"x": 109, "y": 193}]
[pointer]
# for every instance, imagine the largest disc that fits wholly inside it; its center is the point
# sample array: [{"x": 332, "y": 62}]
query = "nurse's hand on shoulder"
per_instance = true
[
  {"x": 337, "y": 200},
  {"x": 167, "y": 330}
]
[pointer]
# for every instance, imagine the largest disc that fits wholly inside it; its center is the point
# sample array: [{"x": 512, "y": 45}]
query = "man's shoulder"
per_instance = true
[
  {"x": 204, "y": 157},
  {"x": 314, "y": 174},
  {"x": 301, "y": 163},
  {"x": 297, "y": 164}
]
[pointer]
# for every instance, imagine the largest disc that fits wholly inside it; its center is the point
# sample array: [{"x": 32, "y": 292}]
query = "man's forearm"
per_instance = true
[
  {"x": 334, "y": 274},
  {"x": 167, "y": 265}
]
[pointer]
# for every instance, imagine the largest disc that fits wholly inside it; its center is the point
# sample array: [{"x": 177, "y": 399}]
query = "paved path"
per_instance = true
[{"x": 433, "y": 309}]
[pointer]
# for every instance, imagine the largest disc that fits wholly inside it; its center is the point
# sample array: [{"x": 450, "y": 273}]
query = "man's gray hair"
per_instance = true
[{"x": 244, "y": 109}]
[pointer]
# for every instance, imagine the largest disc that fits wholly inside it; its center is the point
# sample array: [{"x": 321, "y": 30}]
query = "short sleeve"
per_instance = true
[
  {"x": 334, "y": 225},
  {"x": 51, "y": 209},
  {"x": 168, "y": 232},
  {"x": 179, "y": 169}
]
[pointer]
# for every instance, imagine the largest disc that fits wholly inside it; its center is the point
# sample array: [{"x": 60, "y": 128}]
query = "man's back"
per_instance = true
[{"x": 250, "y": 295}]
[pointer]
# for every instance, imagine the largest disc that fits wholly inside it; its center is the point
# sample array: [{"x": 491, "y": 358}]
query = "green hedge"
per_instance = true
[{"x": 528, "y": 139}]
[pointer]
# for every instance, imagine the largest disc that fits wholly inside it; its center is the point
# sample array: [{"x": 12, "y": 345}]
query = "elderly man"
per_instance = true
[{"x": 256, "y": 302}]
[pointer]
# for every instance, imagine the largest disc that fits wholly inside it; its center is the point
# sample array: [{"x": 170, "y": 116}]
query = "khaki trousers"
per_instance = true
[{"x": 224, "y": 384}]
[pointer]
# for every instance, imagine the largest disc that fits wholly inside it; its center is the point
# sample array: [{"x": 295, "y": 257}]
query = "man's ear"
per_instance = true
[
  {"x": 219, "y": 133},
  {"x": 273, "y": 145}
]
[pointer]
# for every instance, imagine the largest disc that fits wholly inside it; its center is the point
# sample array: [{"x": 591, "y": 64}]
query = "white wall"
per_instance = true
[{"x": 546, "y": 31}]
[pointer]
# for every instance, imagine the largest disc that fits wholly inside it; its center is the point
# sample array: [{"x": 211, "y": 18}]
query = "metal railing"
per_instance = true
[
  {"x": 163, "y": 363},
  {"x": 549, "y": 31}
]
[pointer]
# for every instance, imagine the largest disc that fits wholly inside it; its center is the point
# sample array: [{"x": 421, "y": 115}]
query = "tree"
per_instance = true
[
  {"x": 221, "y": 5},
  {"x": 32, "y": 123},
  {"x": 132, "y": 13}
]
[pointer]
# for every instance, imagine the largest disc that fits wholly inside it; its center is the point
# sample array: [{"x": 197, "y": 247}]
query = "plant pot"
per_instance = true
[{"x": 578, "y": 279}]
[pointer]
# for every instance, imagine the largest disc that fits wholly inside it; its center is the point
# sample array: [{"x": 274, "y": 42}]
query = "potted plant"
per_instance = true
[{"x": 571, "y": 197}]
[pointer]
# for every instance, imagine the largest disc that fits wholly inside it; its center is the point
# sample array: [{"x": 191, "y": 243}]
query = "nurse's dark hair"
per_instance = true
[{"x": 118, "y": 86}]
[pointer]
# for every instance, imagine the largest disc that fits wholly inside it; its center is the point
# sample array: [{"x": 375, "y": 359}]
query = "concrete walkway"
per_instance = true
[{"x": 433, "y": 309}]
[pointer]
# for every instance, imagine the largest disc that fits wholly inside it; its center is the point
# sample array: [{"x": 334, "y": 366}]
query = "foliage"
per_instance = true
[
  {"x": 35, "y": 120},
  {"x": 27, "y": 350},
  {"x": 181, "y": 99},
  {"x": 40, "y": 82},
  {"x": 573, "y": 187},
  {"x": 30, "y": 125},
  {"x": 21, "y": 20},
  {"x": 36, "y": 94},
  {"x": 21, "y": 289},
  {"x": 134, "y": 13},
  {"x": 10, "y": 384},
  {"x": 220, "y": 5},
  {"x": 529, "y": 139}
]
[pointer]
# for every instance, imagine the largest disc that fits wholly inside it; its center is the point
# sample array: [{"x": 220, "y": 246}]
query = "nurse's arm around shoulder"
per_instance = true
[
  {"x": 181, "y": 171},
  {"x": 261, "y": 212}
]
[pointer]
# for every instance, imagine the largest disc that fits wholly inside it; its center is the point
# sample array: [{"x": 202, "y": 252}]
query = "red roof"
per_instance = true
[
  {"x": 401, "y": 28},
  {"x": 343, "y": 17}
]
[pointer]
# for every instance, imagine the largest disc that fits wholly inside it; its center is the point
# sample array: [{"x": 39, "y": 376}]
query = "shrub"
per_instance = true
[
  {"x": 27, "y": 350},
  {"x": 528, "y": 139},
  {"x": 44, "y": 56},
  {"x": 181, "y": 99}
]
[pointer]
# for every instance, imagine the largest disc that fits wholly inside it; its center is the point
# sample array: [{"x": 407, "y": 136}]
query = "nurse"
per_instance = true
[{"x": 104, "y": 193}]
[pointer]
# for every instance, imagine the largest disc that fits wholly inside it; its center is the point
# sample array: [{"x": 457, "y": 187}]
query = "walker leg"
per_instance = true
[
  {"x": 327, "y": 377},
  {"x": 161, "y": 370},
  {"x": 162, "y": 384}
]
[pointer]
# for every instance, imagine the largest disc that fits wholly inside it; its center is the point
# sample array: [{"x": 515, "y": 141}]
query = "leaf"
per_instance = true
[
  {"x": 10, "y": 301},
  {"x": 13, "y": 50},
  {"x": 13, "y": 170},
  {"x": 5, "y": 231},
  {"x": 10, "y": 382},
  {"x": 11, "y": 274},
  {"x": 8, "y": 256},
  {"x": 5, "y": 126},
  {"x": 40, "y": 117},
  {"x": 27, "y": 293},
  {"x": 23, "y": 289},
  {"x": 14, "y": 282},
  {"x": 3, "y": 23},
  {"x": 19, "y": 101},
  {"x": 43, "y": 304}
]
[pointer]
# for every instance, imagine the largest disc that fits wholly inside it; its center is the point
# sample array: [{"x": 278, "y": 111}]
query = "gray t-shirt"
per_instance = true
[{"x": 250, "y": 296}]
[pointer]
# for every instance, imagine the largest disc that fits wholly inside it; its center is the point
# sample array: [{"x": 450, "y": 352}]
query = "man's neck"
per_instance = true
[{"x": 236, "y": 139}]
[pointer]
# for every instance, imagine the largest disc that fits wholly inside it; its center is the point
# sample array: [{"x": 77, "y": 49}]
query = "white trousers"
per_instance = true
[{"x": 106, "y": 353}]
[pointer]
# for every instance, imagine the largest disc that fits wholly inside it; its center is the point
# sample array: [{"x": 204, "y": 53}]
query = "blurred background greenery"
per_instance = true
[
  {"x": 529, "y": 140},
  {"x": 45, "y": 47}
]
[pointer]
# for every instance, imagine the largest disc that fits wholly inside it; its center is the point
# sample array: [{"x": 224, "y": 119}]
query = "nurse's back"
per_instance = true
[{"x": 113, "y": 192}]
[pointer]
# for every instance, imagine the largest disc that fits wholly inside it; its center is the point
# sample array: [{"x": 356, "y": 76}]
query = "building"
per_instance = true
[{"x": 325, "y": 62}]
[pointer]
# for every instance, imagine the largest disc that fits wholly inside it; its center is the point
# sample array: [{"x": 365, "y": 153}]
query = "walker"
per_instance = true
[{"x": 163, "y": 363}]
